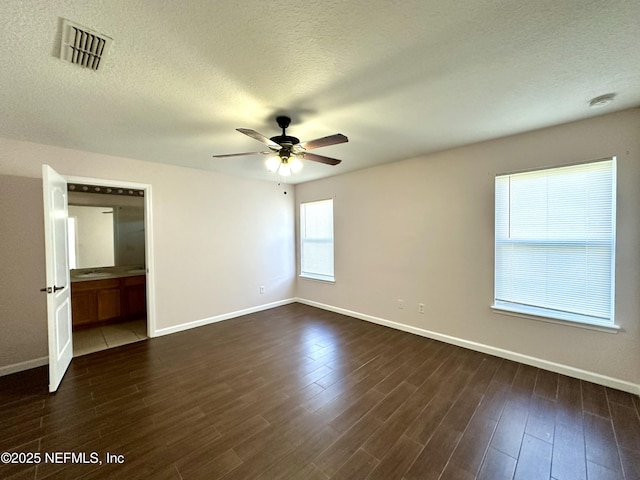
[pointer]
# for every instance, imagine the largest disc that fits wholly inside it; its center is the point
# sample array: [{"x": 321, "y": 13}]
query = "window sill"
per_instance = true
[
  {"x": 318, "y": 278},
  {"x": 600, "y": 327}
]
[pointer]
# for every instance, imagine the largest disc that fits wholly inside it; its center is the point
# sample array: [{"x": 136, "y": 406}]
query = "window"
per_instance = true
[
  {"x": 316, "y": 240},
  {"x": 555, "y": 242}
]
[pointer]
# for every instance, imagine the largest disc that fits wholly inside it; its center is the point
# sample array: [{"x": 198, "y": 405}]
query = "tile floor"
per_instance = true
[{"x": 100, "y": 338}]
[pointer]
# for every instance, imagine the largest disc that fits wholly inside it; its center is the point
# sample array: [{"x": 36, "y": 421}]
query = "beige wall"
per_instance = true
[
  {"x": 421, "y": 230},
  {"x": 216, "y": 240},
  {"x": 23, "y": 309}
]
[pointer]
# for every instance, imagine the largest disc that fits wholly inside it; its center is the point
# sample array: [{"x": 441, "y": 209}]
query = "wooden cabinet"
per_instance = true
[
  {"x": 134, "y": 296},
  {"x": 108, "y": 303},
  {"x": 108, "y": 300},
  {"x": 84, "y": 306}
]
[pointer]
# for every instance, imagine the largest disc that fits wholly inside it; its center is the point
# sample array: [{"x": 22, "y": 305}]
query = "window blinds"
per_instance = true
[
  {"x": 555, "y": 242},
  {"x": 316, "y": 240}
]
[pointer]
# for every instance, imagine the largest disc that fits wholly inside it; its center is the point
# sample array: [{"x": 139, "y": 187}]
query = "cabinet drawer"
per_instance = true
[
  {"x": 137, "y": 280},
  {"x": 95, "y": 285}
]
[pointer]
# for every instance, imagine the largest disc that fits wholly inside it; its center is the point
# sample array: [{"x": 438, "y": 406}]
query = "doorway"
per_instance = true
[{"x": 109, "y": 263}]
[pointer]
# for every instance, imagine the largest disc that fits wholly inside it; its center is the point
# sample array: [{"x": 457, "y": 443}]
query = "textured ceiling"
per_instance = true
[{"x": 399, "y": 78}]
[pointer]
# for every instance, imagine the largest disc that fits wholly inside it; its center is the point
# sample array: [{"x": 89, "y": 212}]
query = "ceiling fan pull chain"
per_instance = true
[{"x": 283, "y": 183}]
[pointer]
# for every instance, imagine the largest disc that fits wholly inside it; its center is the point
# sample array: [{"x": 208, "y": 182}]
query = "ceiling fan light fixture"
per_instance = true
[
  {"x": 295, "y": 164},
  {"x": 284, "y": 170},
  {"x": 286, "y": 152},
  {"x": 273, "y": 163}
]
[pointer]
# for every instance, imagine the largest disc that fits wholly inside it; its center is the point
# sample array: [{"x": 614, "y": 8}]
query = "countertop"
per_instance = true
[{"x": 104, "y": 274}]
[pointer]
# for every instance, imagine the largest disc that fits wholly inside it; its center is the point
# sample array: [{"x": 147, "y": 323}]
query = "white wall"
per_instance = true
[
  {"x": 216, "y": 240},
  {"x": 421, "y": 230}
]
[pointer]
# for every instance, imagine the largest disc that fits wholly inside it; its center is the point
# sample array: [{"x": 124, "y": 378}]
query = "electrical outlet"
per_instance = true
[
  {"x": 261, "y": 289},
  {"x": 400, "y": 304},
  {"x": 421, "y": 308}
]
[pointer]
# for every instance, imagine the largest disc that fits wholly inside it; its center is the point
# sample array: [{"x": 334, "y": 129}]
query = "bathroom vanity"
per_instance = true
[{"x": 107, "y": 297}]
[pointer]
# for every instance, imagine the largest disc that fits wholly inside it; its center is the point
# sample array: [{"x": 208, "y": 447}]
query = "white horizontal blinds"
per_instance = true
[
  {"x": 316, "y": 239},
  {"x": 554, "y": 237}
]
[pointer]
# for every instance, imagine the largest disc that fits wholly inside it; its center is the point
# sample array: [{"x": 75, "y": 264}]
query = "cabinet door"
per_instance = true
[
  {"x": 134, "y": 296},
  {"x": 84, "y": 307},
  {"x": 108, "y": 304}
]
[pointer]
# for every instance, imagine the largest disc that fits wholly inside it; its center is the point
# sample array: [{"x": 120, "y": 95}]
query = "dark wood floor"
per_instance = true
[{"x": 300, "y": 393}]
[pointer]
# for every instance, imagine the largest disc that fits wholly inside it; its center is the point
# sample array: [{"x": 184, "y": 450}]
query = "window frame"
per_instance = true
[
  {"x": 549, "y": 314},
  {"x": 321, "y": 277}
]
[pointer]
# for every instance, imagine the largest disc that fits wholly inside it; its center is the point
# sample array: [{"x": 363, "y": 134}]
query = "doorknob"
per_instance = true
[{"x": 51, "y": 290}]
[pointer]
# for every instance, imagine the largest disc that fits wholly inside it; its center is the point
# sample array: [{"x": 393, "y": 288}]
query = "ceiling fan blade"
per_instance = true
[
  {"x": 324, "y": 141},
  {"x": 258, "y": 136},
  {"x": 239, "y": 154},
  {"x": 321, "y": 158}
]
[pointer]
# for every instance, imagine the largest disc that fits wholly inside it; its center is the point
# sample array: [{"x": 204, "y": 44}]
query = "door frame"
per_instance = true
[{"x": 148, "y": 238}]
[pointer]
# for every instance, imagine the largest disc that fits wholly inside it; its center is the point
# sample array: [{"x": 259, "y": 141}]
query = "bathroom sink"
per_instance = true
[{"x": 93, "y": 275}]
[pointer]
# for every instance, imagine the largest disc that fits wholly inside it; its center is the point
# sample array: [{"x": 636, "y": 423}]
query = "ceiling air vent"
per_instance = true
[{"x": 82, "y": 46}]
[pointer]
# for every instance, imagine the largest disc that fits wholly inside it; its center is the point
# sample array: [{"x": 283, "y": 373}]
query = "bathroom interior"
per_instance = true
[{"x": 107, "y": 267}]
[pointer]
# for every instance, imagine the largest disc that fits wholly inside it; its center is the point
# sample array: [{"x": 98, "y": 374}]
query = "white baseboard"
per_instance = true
[
  {"x": 38, "y": 362},
  {"x": 488, "y": 349},
  {"x": 19, "y": 367},
  {"x": 220, "y": 318}
]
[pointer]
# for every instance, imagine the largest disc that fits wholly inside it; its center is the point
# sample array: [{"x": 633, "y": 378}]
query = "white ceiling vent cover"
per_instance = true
[{"x": 83, "y": 46}]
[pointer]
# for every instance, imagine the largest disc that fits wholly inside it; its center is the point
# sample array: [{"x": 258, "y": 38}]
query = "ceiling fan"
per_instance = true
[{"x": 287, "y": 151}]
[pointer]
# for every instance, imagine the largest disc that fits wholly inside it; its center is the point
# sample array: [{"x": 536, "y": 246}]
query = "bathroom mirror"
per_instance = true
[
  {"x": 91, "y": 237},
  {"x": 105, "y": 236}
]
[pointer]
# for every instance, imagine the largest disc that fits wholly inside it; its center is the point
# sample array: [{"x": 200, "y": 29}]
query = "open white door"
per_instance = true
[{"x": 58, "y": 287}]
